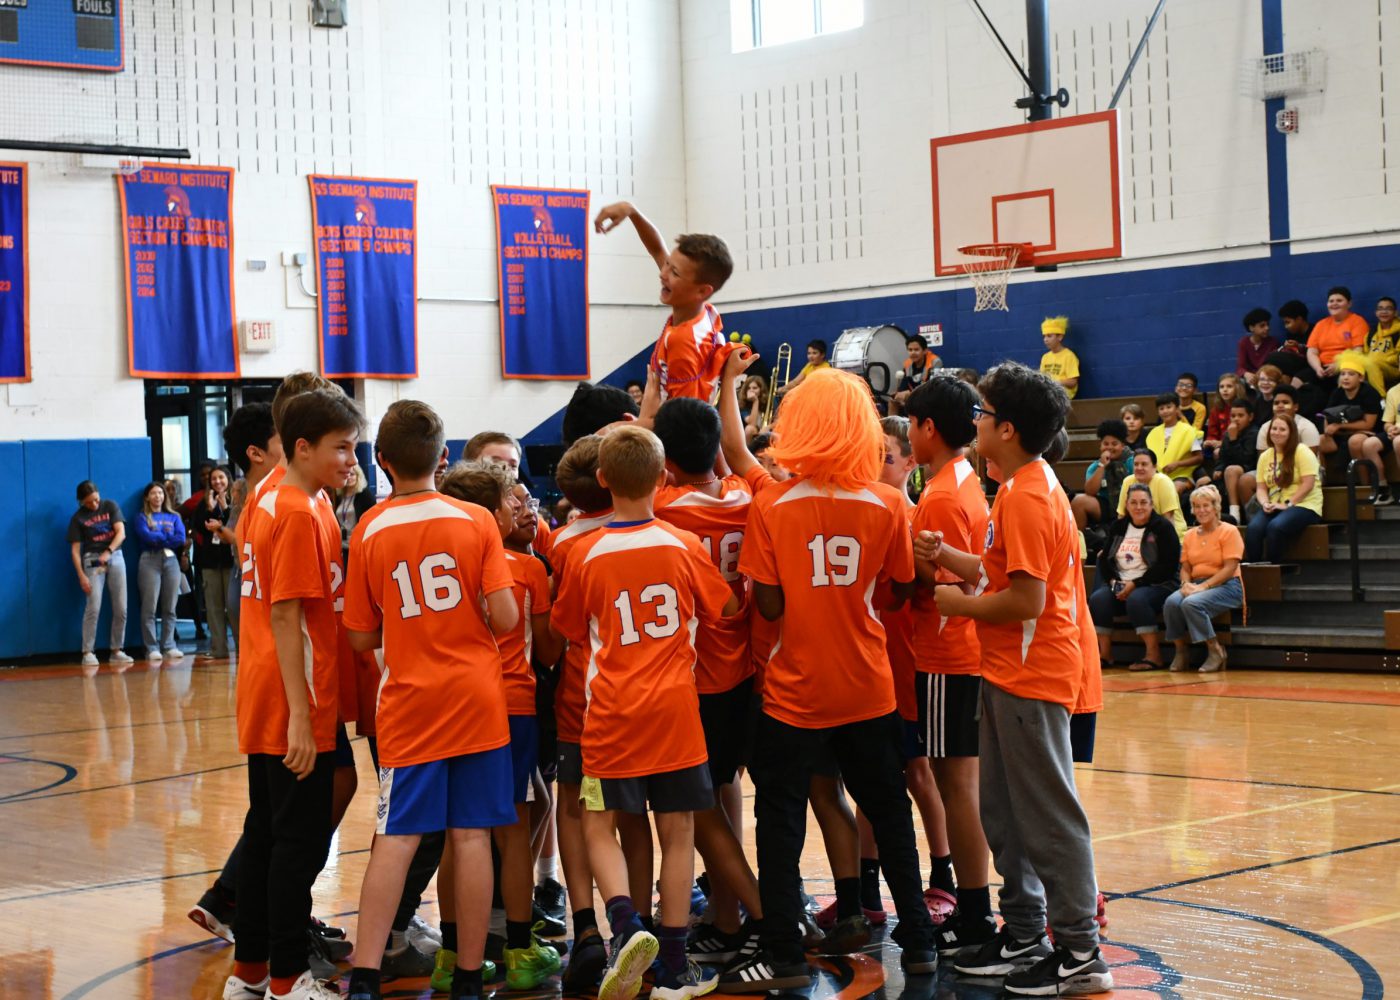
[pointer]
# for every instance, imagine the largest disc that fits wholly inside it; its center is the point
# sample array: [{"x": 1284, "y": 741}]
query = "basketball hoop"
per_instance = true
[{"x": 991, "y": 269}]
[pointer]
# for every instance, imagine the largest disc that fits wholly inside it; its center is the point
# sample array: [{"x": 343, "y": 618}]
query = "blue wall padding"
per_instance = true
[
  {"x": 51, "y": 471},
  {"x": 121, "y": 468},
  {"x": 14, "y": 592}
]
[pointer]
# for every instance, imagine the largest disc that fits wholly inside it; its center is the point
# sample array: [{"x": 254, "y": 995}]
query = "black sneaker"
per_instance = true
[
  {"x": 549, "y": 898},
  {"x": 587, "y": 960},
  {"x": 919, "y": 961},
  {"x": 756, "y": 972},
  {"x": 848, "y": 935},
  {"x": 1060, "y": 974},
  {"x": 712, "y": 946},
  {"x": 958, "y": 932},
  {"x": 214, "y": 912},
  {"x": 1382, "y": 497},
  {"x": 546, "y": 926},
  {"x": 319, "y": 958},
  {"x": 1001, "y": 956},
  {"x": 333, "y": 943}
]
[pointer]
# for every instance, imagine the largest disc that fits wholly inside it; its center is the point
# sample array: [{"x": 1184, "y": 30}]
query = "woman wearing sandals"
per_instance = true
[
  {"x": 1137, "y": 573},
  {"x": 1210, "y": 582}
]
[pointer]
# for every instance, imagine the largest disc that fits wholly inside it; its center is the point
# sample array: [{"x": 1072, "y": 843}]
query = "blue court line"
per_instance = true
[
  {"x": 107, "y": 977},
  {"x": 31, "y": 797},
  {"x": 1237, "y": 781},
  {"x": 100, "y": 729},
  {"x": 69, "y": 773}
]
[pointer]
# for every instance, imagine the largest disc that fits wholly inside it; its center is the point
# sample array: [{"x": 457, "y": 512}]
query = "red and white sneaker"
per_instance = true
[
  {"x": 826, "y": 916},
  {"x": 940, "y": 905}
]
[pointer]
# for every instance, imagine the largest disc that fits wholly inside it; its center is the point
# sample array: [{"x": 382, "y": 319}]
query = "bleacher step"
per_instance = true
[
  {"x": 1309, "y": 637},
  {"x": 1387, "y": 593}
]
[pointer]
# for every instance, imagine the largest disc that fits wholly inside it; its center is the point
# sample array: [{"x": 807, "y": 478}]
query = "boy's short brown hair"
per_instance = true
[
  {"x": 577, "y": 476},
  {"x": 479, "y": 442},
  {"x": 411, "y": 438},
  {"x": 713, "y": 264},
  {"x": 632, "y": 460},
  {"x": 482, "y": 483},
  {"x": 293, "y": 386},
  {"x": 312, "y": 415}
]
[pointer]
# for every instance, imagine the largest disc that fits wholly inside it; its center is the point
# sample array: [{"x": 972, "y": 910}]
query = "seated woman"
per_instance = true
[
  {"x": 1164, "y": 496},
  {"x": 1210, "y": 582},
  {"x": 753, "y": 395},
  {"x": 1289, "y": 492},
  {"x": 1137, "y": 573}
]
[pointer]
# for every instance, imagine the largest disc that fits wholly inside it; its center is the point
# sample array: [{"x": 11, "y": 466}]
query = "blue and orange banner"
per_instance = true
[
  {"x": 366, "y": 233},
  {"x": 14, "y": 272},
  {"x": 177, "y": 227},
  {"x": 543, "y": 281}
]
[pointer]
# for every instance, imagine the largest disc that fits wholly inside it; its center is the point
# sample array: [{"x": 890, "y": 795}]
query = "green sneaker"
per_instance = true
[
  {"x": 444, "y": 965},
  {"x": 527, "y": 968}
]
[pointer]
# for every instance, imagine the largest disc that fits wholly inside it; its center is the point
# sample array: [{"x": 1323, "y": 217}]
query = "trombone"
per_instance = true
[{"x": 782, "y": 374}]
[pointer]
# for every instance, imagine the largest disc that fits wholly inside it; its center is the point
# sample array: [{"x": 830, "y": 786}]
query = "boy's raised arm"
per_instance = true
[
  {"x": 611, "y": 216},
  {"x": 732, "y": 439}
]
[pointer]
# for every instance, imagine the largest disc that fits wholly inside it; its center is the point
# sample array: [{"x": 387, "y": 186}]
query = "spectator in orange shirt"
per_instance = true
[
  {"x": 1033, "y": 673},
  {"x": 1340, "y": 330}
]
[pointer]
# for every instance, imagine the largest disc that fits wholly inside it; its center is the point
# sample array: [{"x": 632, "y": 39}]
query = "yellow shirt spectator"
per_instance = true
[
  {"x": 1304, "y": 464},
  {"x": 1061, "y": 365},
  {"x": 1174, "y": 444},
  {"x": 1383, "y": 348}
]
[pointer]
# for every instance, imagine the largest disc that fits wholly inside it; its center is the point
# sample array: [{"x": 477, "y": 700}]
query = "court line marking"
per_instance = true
[
  {"x": 69, "y": 772},
  {"x": 106, "y": 729},
  {"x": 1236, "y": 781},
  {"x": 1343, "y": 928},
  {"x": 127, "y": 784},
  {"x": 1177, "y": 690}
]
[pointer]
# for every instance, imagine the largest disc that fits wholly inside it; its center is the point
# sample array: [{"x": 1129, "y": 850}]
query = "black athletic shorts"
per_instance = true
[
  {"x": 948, "y": 716},
  {"x": 726, "y": 719},
  {"x": 686, "y": 790},
  {"x": 344, "y": 753},
  {"x": 545, "y": 683},
  {"x": 1082, "y": 730},
  {"x": 570, "y": 769}
]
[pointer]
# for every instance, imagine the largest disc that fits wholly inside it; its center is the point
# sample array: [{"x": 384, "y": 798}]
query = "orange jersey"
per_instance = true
[
  {"x": 1032, "y": 531},
  {"x": 827, "y": 548},
  {"x": 265, "y": 485},
  {"x": 543, "y": 544},
  {"x": 688, "y": 356},
  {"x": 344, "y": 655},
  {"x": 763, "y": 634},
  {"x": 419, "y": 566},
  {"x": 723, "y": 649},
  {"x": 569, "y": 697},
  {"x": 953, "y": 503},
  {"x": 899, "y": 646},
  {"x": 530, "y": 584},
  {"x": 1091, "y": 690},
  {"x": 633, "y": 596},
  {"x": 285, "y": 558}
]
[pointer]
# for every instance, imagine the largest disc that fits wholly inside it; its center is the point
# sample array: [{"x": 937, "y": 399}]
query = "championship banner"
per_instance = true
[
  {"x": 366, "y": 276},
  {"x": 177, "y": 226},
  {"x": 14, "y": 273},
  {"x": 543, "y": 281}
]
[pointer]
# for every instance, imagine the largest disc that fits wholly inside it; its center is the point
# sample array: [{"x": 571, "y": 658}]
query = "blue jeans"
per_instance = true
[
  {"x": 1271, "y": 534},
  {"x": 158, "y": 576},
  {"x": 1142, "y": 607},
  {"x": 1194, "y": 613}
]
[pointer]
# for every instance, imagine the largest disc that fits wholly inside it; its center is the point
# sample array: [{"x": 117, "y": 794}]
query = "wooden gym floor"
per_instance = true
[{"x": 1247, "y": 829}]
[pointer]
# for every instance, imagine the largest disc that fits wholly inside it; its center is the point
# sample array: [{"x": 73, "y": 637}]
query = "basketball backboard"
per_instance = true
[{"x": 1052, "y": 184}]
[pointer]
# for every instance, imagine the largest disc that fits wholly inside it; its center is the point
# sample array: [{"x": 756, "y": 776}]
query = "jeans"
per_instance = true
[
  {"x": 1142, "y": 606},
  {"x": 159, "y": 578},
  {"x": 868, "y": 754},
  {"x": 216, "y": 587},
  {"x": 112, "y": 577},
  {"x": 1271, "y": 534},
  {"x": 1194, "y": 613}
]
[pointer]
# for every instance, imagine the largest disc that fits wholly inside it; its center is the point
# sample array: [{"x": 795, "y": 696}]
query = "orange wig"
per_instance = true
[{"x": 829, "y": 431}]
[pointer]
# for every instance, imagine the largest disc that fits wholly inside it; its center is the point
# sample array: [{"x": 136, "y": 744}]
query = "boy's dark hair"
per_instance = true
[
  {"x": 631, "y": 382},
  {"x": 1386, "y": 298},
  {"x": 577, "y": 476},
  {"x": 689, "y": 430},
  {"x": 1195, "y": 382},
  {"x": 593, "y": 407},
  {"x": 1293, "y": 309},
  {"x": 713, "y": 265},
  {"x": 948, "y": 402},
  {"x": 1112, "y": 428},
  {"x": 914, "y": 338},
  {"x": 1341, "y": 290},
  {"x": 632, "y": 460},
  {"x": 411, "y": 438},
  {"x": 292, "y": 386},
  {"x": 1035, "y": 404},
  {"x": 1256, "y": 315},
  {"x": 482, "y": 483},
  {"x": 250, "y": 426},
  {"x": 312, "y": 415},
  {"x": 478, "y": 443},
  {"x": 1284, "y": 389},
  {"x": 86, "y": 489},
  {"x": 760, "y": 444},
  {"x": 820, "y": 345},
  {"x": 1146, "y": 451},
  {"x": 1243, "y": 404},
  {"x": 1165, "y": 398},
  {"x": 1058, "y": 448}
]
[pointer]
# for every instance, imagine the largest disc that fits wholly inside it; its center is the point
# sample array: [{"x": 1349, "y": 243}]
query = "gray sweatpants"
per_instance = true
[
  {"x": 1034, "y": 823},
  {"x": 112, "y": 579}
]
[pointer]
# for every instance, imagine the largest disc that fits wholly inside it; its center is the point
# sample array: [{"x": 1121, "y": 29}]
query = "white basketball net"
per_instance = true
[{"x": 990, "y": 269}]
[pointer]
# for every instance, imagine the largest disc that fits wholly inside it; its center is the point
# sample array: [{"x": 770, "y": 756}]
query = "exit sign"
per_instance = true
[{"x": 259, "y": 336}]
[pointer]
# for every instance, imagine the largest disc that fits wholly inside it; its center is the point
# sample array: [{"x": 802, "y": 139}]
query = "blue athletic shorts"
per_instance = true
[
  {"x": 470, "y": 792},
  {"x": 524, "y": 756}
]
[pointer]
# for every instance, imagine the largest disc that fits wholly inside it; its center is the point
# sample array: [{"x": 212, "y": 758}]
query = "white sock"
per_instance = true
[
  {"x": 547, "y": 867},
  {"x": 1235, "y": 511},
  {"x": 1081, "y": 956}
]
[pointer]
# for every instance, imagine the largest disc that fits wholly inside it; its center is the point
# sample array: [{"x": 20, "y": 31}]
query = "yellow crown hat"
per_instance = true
[
  {"x": 1058, "y": 325},
  {"x": 1351, "y": 361}
]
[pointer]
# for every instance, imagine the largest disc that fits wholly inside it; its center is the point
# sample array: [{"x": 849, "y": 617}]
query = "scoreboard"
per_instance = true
[{"x": 73, "y": 34}]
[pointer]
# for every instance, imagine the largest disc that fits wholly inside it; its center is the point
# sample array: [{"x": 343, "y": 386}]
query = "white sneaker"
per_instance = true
[
  {"x": 174, "y": 655},
  {"x": 237, "y": 989},
  {"x": 423, "y": 936},
  {"x": 120, "y": 656},
  {"x": 89, "y": 660},
  {"x": 153, "y": 656},
  {"x": 306, "y": 988}
]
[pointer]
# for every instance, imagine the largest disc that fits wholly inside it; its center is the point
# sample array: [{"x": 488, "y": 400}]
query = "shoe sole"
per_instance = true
[
  {"x": 624, "y": 980},
  {"x": 581, "y": 978},
  {"x": 1000, "y": 970},
  {"x": 766, "y": 985},
  {"x": 210, "y": 923},
  {"x": 1075, "y": 986},
  {"x": 712, "y": 957},
  {"x": 531, "y": 979},
  {"x": 688, "y": 992}
]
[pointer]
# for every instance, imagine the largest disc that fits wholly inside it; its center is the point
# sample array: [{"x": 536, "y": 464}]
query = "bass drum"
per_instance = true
[{"x": 875, "y": 353}]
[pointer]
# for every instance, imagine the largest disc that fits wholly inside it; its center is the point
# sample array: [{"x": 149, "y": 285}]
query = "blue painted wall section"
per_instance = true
[{"x": 14, "y": 601}]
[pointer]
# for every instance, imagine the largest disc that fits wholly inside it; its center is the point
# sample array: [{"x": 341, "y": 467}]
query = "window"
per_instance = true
[{"x": 760, "y": 23}]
